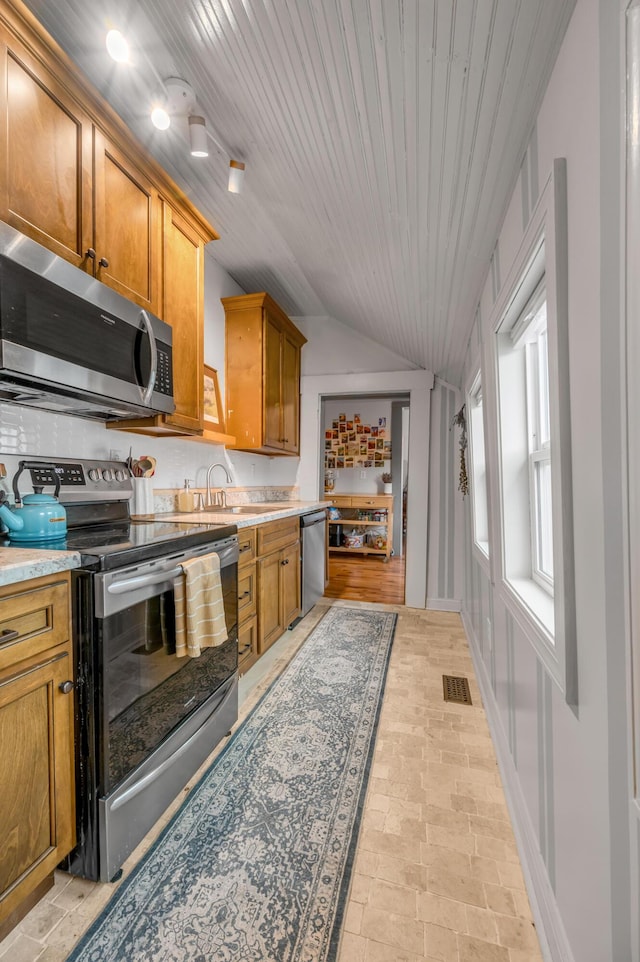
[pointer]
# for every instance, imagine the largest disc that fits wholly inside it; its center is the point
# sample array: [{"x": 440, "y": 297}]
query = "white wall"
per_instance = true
[
  {"x": 339, "y": 349},
  {"x": 563, "y": 774}
]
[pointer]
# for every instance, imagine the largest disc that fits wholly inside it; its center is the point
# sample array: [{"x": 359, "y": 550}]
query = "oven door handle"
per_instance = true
[{"x": 143, "y": 581}]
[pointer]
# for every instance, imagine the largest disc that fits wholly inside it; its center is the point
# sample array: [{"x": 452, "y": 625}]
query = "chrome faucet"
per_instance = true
[{"x": 221, "y": 496}]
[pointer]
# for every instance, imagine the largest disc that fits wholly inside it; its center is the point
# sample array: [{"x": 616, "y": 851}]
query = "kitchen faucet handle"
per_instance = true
[{"x": 198, "y": 501}]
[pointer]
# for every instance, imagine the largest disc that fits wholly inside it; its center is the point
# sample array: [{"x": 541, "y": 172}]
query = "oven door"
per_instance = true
[{"x": 145, "y": 690}]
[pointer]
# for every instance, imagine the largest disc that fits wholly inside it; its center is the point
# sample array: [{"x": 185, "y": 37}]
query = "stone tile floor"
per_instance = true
[{"x": 437, "y": 876}]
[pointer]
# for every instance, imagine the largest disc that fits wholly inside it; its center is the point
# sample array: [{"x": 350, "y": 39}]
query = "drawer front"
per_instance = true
[
  {"x": 246, "y": 546},
  {"x": 34, "y": 616},
  {"x": 246, "y": 592},
  {"x": 247, "y": 644},
  {"x": 339, "y": 500},
  {"x": 277, "y": 534},
  {"x": 382, "y": 501}
]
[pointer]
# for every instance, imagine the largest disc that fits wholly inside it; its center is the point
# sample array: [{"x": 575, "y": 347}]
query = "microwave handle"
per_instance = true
[{"x": 146, "y": 320}]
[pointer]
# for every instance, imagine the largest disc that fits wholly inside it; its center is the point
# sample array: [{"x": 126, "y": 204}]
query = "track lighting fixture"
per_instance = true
[
  {"x": 198, "y": 136},
  {"x": 117, "y": 46},
  {"x": 236, "y": 176},
  {"x": 178, "y": 100}
]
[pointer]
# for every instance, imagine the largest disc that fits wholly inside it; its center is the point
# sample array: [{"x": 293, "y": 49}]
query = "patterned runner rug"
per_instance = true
[{"x": 255, "y": 865}]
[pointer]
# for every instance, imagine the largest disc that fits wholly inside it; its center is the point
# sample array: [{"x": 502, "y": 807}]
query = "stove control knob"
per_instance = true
[
  {"x": 107, "y": 474},
  {"x": 94, "y": 474},
  {"x": 120, "y": 475}
]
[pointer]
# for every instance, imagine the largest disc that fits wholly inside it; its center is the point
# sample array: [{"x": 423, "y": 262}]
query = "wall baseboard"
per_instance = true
[
  {"x": 554, "y": 943},
  {"x": 444, "y": 604}
]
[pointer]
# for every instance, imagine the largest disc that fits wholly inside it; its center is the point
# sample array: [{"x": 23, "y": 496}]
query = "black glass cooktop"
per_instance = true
[{"x": 107, "y": 546}]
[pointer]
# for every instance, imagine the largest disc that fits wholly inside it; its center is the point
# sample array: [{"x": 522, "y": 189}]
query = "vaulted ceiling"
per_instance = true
[{"x": 382, "y": 140}]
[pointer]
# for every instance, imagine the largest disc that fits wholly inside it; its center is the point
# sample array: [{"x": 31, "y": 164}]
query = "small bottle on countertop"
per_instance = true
[{"x": 186, "y": 500}]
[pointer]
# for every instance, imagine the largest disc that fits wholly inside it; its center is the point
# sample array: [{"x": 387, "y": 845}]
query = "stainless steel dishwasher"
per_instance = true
[{"x": 313, "y": 549}]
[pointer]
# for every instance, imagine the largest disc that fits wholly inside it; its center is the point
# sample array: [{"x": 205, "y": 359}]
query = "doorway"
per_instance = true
[{"x": 364, "y": 441}]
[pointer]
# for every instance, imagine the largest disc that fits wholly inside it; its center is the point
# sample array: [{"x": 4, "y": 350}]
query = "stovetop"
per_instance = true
[{"x": 96, "y": 499}]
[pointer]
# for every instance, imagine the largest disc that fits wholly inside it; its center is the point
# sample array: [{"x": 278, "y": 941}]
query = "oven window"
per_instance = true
[{"x": 147, "y": 690}]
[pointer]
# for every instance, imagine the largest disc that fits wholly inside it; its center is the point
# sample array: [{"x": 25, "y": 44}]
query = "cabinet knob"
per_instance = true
[
  {"x": 245, "y": 594},
  {"x": 103, "y": 262},
  {"x": 91, "y": 253},
  {"x": 9, "y": 634},
  {"x": 285, "y": 562},
  {"x": 66, "y": 687}
]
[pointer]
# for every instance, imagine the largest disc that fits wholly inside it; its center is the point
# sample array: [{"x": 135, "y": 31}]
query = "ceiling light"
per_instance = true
[
  {"x": 236, "y": 176},
  {"x": 117, "y": 46},
  {"x": 198, "y": 136},
  {"x": 160, "y": 118}
]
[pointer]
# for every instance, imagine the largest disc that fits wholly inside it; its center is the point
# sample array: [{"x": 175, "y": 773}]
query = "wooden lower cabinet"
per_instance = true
[
  {"x": 268, "y": 586},
  {"x": 37, "y": 801},
  {"x": 278, "y": 574},
  {"x": 247, "y": 600}
]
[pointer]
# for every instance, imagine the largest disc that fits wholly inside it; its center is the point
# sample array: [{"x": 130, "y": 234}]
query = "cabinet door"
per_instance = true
[
  {"x": 183, "y": 272},
  {"x": 269, "y": 607},
  {"x": 126, "y": 227},
  {"x": 272, "y": 380},
  {"x": 247, "y": 644},
  {"x": 36, "y": 774},
  {"x": 290, "y": 395},
  {"x": 45, "y": 156},
  {"x": 290, "y": 583}
]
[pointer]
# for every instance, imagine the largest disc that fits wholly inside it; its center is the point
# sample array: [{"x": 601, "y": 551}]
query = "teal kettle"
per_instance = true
[{"x": 41, "y": 517}]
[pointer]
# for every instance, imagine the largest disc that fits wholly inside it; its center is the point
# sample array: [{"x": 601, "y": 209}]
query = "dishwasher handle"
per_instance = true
[{"x": 315, "y": 517}]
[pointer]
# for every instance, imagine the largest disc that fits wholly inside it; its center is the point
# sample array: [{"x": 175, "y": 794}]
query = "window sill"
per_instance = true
[
  {"x": 481, "y": 551},
  {"x": 534, "y": 609}
]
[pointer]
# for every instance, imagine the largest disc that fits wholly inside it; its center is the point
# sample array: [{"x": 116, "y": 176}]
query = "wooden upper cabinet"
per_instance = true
[
  {"x": 73, "y": 178},
  {"x": 45, "y": 156},
  {"x": 127, "y": 227},
  {"x": 183, "y": 309},
  {"x": 262, "y": 375}
]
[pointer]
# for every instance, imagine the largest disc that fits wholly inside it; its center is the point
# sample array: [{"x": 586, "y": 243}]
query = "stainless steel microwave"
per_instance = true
[{"x": 70, "y": 344}]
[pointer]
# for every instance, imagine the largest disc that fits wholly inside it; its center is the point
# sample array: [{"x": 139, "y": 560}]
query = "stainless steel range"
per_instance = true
[{"x": 145, "y": 719}]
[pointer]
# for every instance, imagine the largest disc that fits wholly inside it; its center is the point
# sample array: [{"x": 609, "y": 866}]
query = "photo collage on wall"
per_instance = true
[{"x": 352, "y": 444}]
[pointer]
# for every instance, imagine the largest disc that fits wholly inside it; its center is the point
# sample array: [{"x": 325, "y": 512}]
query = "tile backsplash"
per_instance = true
[{"x": 31, "y": 433}]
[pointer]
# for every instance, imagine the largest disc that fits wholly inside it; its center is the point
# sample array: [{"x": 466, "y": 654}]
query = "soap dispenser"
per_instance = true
[{"x": 186, "y": 500}]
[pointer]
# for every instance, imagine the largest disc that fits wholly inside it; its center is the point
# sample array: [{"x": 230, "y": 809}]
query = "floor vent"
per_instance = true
[{"x": 456, "y": 689}]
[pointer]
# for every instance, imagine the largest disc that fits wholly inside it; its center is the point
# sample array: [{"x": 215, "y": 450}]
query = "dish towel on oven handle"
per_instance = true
[{"x": 199, "y": 604}]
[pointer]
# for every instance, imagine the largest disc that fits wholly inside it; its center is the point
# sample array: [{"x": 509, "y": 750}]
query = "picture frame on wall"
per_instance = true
[{"x": 213, "y": 411}]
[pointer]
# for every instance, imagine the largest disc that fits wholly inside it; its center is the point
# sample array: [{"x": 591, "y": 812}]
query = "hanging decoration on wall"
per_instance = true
[
  {"x": 352, "y": 444},
  {"x": 459, "y": 421}
]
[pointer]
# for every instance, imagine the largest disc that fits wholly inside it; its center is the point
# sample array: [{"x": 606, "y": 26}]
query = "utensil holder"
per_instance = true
[{"x": 142, "y": 505}]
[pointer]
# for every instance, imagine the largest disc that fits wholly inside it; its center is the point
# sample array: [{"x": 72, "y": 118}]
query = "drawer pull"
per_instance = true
[
  {"x": 66, "y": 687},
  {"x": 243, "y": 651},
  {"x": 9, "y": 634},
  {"x": 245, "y": 547},
  {"x": 245, "y": 594}
]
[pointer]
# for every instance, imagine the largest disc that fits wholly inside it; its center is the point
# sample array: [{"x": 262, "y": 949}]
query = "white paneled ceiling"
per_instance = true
[{"x": 382, "y": 140}]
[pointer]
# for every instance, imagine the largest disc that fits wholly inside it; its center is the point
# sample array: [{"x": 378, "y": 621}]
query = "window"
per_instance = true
[
  {"x": 478, "y": 467},
  {"x": 534, "y": 567}
]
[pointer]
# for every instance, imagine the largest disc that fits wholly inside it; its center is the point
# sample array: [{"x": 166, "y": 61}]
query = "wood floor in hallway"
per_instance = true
[{"x": 366, "y": 578}]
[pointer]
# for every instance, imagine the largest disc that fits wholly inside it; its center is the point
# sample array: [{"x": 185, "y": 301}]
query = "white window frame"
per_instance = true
[
  {"x": 548, "y": 618},
  {"x": 478, "y": 464}
]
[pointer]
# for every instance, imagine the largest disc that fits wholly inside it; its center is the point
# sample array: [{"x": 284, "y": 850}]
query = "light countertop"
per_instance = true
[
  {"x": 250, "y": 514},
  {"x": 22, "y": 564}
]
